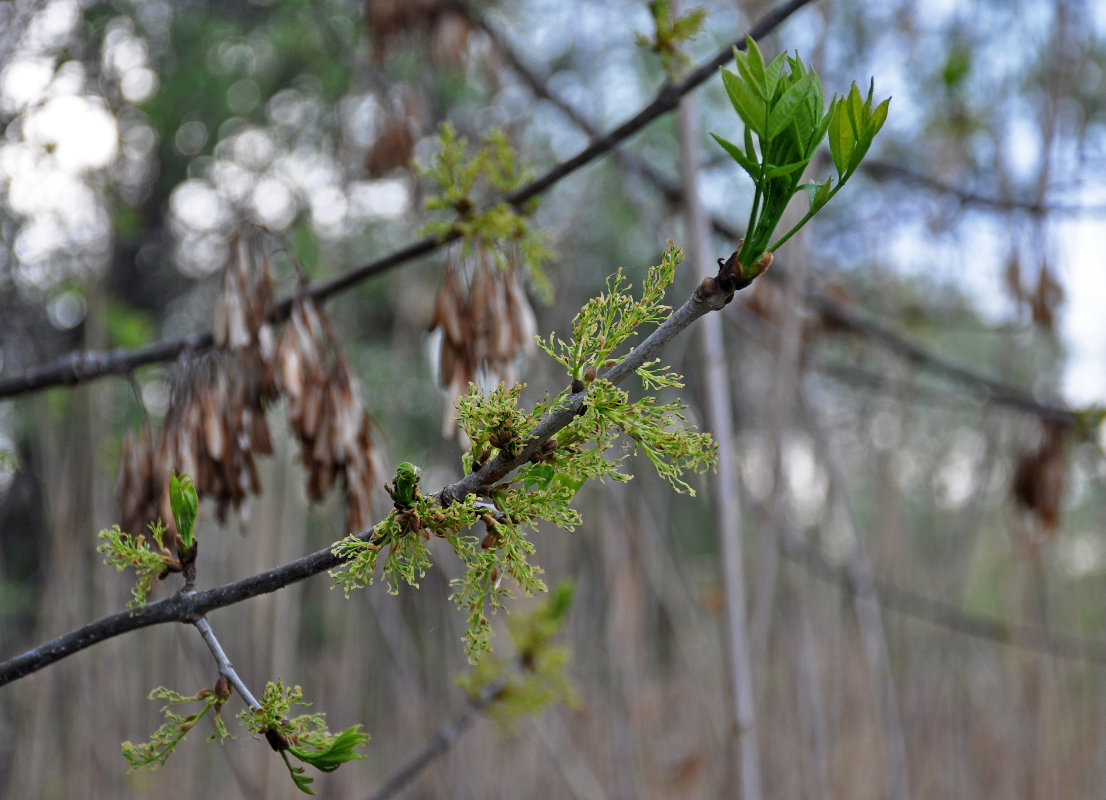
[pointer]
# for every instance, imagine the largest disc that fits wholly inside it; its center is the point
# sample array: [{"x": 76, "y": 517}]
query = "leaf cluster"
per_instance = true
[
  {"x": 671, "y": 32},
  {"x": 304, "y": 737},
  {"x": 465, "y": 182},
  {"x": 154, "y": 753},
  {"x": 782, "y": 106},
  {"x": 122, "y": 550}
]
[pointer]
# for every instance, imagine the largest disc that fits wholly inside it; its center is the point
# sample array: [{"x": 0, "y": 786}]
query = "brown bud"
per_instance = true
[
  {"x": 277, "y": 740},
  {"x": 489, "y": 541},
  {"x": 707, "y": 287},
  {"x": 577, "y": 385},
  {"x": 589, "y": 373}
]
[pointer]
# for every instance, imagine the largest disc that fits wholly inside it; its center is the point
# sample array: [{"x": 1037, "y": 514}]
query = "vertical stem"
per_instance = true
[{"x": 727, "y": 510}]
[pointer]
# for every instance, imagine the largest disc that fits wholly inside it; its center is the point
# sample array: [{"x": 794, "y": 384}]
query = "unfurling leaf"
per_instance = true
[{"x": 185, "y": 503}]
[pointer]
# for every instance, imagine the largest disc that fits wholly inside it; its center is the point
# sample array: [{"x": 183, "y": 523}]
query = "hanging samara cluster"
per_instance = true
[
  {"x": 216, "y": 422},
  {"x": 486, "y": 323}
]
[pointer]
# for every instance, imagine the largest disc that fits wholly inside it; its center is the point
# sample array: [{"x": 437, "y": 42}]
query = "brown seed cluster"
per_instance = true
[
  {"x": 1039, "y": 478},
  {"x": 436, "y": 24},
  {"x": 326, "y": 412},
  {"x": 217, "y": 424},
  {"x": 486, "y": 323}
]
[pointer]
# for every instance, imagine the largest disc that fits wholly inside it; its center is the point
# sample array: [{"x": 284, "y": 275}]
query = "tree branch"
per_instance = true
[
  {"x": 439, "y": 742},
  {"x": 884, "y": 170},
  {"x": 942, "y": 614},
  {"x": 191, "y": 607},
  {"x": 78, "y": 367},
  {"x": 226, "y": 669}
]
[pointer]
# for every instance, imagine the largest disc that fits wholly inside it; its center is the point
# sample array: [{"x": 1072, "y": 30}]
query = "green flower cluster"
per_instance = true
[
  {"x": 465, "y": 183},
  {"x": 542, "y": 488}
]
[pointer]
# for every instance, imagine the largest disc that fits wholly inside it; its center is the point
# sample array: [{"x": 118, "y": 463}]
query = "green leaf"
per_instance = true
[
  {"x": 818, "y": 192},
  {"x": 784, "y": 110},
  {"x": 786, "y": 169},
  {"x": 341, "y": 749},
  {"x": 539, "y": 476},
  {"x": 752, "y": 109},
  {"x": 185, "y": 503},
  {"x": 819, "y": 132},
  {"x": 855, "y": 108},
  {"x": 773, "y": 73},
  {"x": 879, "y": 116},
  {"x": 842, "y": 140},
  {"x": 752, "y": 65},
  {"x": 750, "y": 150},
  {"x": 746, "y": 163}
]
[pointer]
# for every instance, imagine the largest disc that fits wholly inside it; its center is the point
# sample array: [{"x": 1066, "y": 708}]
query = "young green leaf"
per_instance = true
[
  {"x": 336, "y": 752},
  {"x": 751, "y": 67},
  {"x": 819, "y": 192},
  {"x": 841, "y": 139},
  {"x": 786, "y": 107},
  {"x": 786, "y": 169},
  {"x": 185, "y": 503},
  {"x": 752, "y": 109},
  {"x": 747, "y": 164},
  {"x": 773, "y": 72}
]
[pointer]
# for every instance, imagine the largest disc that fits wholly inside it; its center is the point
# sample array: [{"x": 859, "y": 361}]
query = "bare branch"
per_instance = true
[
  {"x": 226, "y": 669},
  {"x": 884, "y": 170},
  {"x": 439, "y": 742},
  {"x": 942, "y": 614}
]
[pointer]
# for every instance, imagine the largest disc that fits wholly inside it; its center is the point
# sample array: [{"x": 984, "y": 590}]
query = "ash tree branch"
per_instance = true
[
  {"x": 78, "y": 367},
  {"x": 191, "y": 607},
  {"x": 884, "y": 171}
]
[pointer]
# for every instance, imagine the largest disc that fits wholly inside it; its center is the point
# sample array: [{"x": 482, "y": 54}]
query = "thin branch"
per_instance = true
[
  {"x": 439, "y": 742},
  {"x": 884, "y": 170},
  {"x": 993, "y": 391},
  {"x": 191, "y": 607},
  {"x": 78, "y": 367},
  {"x": 226, "y": 669},
  {"x": 942, "y": 614}
]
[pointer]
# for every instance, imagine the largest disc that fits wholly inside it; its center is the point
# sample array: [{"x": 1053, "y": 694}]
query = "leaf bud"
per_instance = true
[{"x": 589, "y": 373}]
